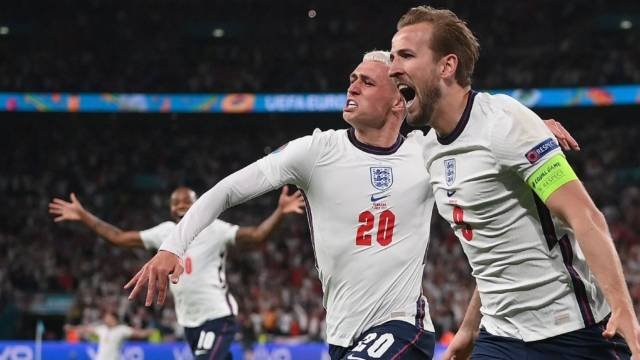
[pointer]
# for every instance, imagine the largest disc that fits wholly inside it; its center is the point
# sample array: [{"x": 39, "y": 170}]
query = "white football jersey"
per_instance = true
[
  {"x": 369, "y": 211},
  {"x": 532, "y": 277},
  {"x": 110, "y": 340},
  {"x": 202, "y": 293}
]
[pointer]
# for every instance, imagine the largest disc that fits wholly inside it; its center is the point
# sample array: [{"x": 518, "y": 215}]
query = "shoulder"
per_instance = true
[
  {"x": 317, "y": 140},
  {"x": 495, "y": 108},
  {"x": 168, "y": 225},
  {"x": 125, "y": 330},
  {"x": 508, "y": 117},
  {"x": 329, "y": 137}
]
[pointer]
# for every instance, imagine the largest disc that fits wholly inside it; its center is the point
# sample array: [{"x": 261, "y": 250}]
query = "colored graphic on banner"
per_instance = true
[{"x": 283, "y": 103}]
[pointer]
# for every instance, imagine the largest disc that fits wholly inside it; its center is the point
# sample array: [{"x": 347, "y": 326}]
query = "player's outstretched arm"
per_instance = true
[
  {"x": 572, "y": 203},
  {"x": 461, "y": 346},
  {"x": 141, "y": 333},
  {"x": 74, "y": 211},
  {"x": 287, "y": 204},
  {"x": 82, "y": 330},
  {"x": 235, "y": 189}
]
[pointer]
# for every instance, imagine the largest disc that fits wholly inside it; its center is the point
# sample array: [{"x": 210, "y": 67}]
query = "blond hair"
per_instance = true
[
  {"x": 450, "y": 36},
  {"x": 379, "y": 56}
]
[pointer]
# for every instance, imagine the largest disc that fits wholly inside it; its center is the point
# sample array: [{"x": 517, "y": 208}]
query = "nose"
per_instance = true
[
  {"x": 353, "y": 89},
  {"x": 395, "y": 69}
]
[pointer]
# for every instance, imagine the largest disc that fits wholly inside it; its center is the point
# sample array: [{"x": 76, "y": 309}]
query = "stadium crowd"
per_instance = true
[
  {"x": 205, "y": 46},
  {"x": 127, "y": 180}
]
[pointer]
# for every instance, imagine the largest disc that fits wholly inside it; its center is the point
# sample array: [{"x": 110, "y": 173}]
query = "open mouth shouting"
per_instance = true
[
  {"x": 351, "y": 105},
  {"x": 408, "y": 93}
]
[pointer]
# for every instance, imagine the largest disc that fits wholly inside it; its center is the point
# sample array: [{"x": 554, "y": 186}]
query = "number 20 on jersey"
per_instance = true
[{"x": 386, "y": 222}]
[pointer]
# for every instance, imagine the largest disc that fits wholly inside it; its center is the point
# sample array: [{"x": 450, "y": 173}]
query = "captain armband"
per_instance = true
[{"x": 549, "y": 177}]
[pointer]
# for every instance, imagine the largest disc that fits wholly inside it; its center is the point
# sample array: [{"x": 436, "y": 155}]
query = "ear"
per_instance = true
[
  {"x": 448, "y": 66},
  {"x": 399, "y": 104}
]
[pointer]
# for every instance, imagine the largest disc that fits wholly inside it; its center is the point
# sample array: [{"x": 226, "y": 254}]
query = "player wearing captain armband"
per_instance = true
[
  {"x": 369, "y": 206},
  {"x": 549, "y": 280}
]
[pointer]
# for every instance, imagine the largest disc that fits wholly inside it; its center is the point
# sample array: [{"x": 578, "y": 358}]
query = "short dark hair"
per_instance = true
[{"x": 450, "y": 36}]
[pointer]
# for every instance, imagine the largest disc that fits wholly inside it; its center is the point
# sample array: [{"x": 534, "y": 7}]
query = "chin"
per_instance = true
[{"x": 416, "y": 120}]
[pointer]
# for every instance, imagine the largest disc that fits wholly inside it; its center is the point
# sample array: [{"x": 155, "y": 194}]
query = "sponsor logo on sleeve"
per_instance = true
[{"x": 540, "y": 150}]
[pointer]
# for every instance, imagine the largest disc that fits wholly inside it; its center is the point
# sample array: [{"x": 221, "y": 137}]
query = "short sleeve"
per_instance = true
[
  {"x": 227, "y": 231},
  {"x": 520, "y": 139},
  {"x": 125, "y": 332},
  {"x": 523, "y": 143},
  {"x": 152, "y": 238},
  {"x": 100, "y": 330},
  {"x": 293, "y": 163}
]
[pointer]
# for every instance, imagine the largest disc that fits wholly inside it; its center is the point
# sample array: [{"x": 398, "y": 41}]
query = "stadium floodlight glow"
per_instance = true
[
  {"x": 4, "y": 30},
  {"x": 626, "y": 24},
  {"x": 217, "y": 33},
  {"x": 312, "y": 13}
]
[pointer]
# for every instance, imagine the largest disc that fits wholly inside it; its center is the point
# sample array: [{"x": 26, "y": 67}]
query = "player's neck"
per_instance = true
[
  {"x": 383, "y": 138},
  {"x": 449, "y": 110}
]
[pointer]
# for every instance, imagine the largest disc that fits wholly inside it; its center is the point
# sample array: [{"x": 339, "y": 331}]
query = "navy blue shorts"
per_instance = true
[
  {"x": 392, "y": 340},
  {"x": 212, "y": 339},
  {"x": 584, "y": 344}
]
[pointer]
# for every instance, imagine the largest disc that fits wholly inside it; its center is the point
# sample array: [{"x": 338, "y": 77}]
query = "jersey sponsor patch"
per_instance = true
[
  {"x": 381, "y": 177},
  {"x": 450, "y": 171},
  {"x": 541, "y": 150},
  {"x": 549, "y": 177}
]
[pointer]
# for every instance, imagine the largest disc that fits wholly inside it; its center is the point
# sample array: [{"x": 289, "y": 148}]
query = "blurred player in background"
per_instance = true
[
  {"x": 368, "y": 204},
  {"x": 534, "y": 239},
  {"x": 111, "y": 335},
  {"x": 203, "y": 304}
]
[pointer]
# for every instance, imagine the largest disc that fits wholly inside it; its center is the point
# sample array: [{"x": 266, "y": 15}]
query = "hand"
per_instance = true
[
  {"x": 66, "y": 210},
  {"x": 154, "y": 274},
  {"x": 290, "y": 203},
  {"x": 627, "y": 326},
  {"x": 461, "y": 346},
  {"x": 567, "y": 142}
]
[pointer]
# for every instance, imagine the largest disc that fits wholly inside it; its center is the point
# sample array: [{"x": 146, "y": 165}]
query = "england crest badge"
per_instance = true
[
  {"x": 450, "y": 171},
  {"x": 381, "y": 177}
]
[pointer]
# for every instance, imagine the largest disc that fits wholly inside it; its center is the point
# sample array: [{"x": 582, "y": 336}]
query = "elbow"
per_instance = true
[
  {"x": 593, "y": 215},
  {"x": 590, "y": 218}
]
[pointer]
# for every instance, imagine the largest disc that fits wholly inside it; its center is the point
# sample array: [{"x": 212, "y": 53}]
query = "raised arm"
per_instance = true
[
  {"x": 82, "y": 330},
  {"x": 235, "y": 189},
  {"x": 287, "y": 204},
  {"x": 74, "y": 211},
  {"x": 141, "y": 333}
]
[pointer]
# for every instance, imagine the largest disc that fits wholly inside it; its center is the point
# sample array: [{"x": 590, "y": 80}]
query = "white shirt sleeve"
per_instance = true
[
  {"x": 228, "y": 231},
  {"x": 521, "y": 141},
  {"x": 100, "y": 330},
  {"x": 124, "y": 331},
  {"x": 152, "y": 238},
  {"x": 292, "y": 163}
]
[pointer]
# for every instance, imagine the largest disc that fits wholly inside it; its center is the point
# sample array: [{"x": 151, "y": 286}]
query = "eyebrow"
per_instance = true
[{"x": 402, "y": 51}]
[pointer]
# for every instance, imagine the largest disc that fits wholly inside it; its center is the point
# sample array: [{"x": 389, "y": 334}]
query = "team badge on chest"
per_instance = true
[
  {"x": 381, "y": 177},
  {"x": 450, "y": 171}
]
